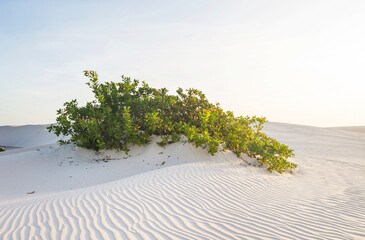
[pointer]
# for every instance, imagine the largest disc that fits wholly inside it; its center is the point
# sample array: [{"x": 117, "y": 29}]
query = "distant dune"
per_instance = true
[
  {"x": 358, "y": 129},
  {"x": 181, "y": 192},
  {"x": 26, "y": 136}
]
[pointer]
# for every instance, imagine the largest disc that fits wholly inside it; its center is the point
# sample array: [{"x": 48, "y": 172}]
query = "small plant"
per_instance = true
[
  {"x": 128, "y": 113},
  {"x": 2, "y": 149}
]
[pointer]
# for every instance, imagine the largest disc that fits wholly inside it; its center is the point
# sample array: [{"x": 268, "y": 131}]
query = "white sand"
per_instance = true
[
  {"x": 191, "y": 196},
  {"x": 26, "y": 136},
  {"x": 357, "y": 129}
]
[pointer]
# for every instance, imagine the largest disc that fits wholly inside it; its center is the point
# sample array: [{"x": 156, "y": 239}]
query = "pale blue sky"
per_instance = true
[{"x": 291, "y": 61}]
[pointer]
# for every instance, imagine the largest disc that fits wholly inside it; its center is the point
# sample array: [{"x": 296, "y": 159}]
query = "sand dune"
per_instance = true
[
  {"x": 191, "y": 196},
  {"x": 205, "y": 202},
  {"x": 26, "y": 136},
  {"x": 358, "y": 129}
]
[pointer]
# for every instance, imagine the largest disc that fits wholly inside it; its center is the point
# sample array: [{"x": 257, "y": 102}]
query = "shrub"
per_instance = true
[
  {"x": 2, "y": 149},
  {"x": 128, "y": 112}
]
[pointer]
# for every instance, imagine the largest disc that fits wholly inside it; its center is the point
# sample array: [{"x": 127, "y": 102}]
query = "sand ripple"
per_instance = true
[{"x": 193, "y": 201}]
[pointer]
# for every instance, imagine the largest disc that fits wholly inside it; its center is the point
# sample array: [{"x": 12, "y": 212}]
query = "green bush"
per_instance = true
[
  {"x": 127, "y": 113},
  {"x": 2, "y": 149}
]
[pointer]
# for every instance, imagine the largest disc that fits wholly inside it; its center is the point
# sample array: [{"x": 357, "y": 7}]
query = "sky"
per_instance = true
[{"x": 290, "y": 61}]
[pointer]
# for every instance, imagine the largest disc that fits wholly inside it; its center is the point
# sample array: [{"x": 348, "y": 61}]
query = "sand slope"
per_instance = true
[
  {"x": 358, "y": 129},
  {"x": 26, "y": 136},
  {"x": 191, "y": 196}
]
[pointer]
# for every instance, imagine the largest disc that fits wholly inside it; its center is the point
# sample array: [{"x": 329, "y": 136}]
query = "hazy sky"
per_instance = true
[{"x": 292, "y": 61}]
